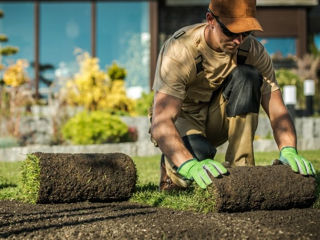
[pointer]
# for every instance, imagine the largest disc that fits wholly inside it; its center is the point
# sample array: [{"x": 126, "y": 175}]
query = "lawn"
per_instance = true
[{"x": 148, "y": 178}]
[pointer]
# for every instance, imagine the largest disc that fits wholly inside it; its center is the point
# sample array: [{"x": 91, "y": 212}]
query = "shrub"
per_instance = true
[
  {"x": 95, "y": 127},
  {"x": 116, "y": 72},
  {"x": 117, "y": 101},
  {"x": 95, "y": 89},
  {"x": 89, "y": 86},
  {"x": 287, "y": 77},
  {"x": 144, "y": 103},
  {"x": 6, "y": 142},
  {"x": 15, "y": 75}
]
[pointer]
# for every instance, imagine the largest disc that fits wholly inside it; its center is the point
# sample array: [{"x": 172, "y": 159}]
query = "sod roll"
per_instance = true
[
  {"x": 262, "y": 187},
  {"x": 80, "y": 177}
]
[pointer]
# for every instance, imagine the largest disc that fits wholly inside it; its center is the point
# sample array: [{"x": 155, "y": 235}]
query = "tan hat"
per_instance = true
[{"x": 237, "y": 15}]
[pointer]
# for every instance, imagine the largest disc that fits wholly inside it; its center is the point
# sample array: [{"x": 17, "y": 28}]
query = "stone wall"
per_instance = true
[{"x": 308, "y": 132}]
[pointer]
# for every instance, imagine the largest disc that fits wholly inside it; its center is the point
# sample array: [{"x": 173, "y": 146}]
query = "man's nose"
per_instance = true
[{"x": 238, "y": 40}]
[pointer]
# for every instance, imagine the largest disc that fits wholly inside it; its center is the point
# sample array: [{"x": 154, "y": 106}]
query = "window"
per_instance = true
[
  {"x": 17, "y": 24},
  {"x": 64, "y": 26},
  {"x": 123, "y": 36},
  {"x": 317, "y": 41},
  {"x": 285, "y": 46}
]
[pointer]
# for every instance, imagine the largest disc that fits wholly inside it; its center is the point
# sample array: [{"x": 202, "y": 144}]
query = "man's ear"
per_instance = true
[{"x": 210, "y": 18}]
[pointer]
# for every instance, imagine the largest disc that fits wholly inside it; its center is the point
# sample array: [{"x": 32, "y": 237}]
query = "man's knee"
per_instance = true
[
  {"x": 242, "y": 90},
  {"x": 199, "y": 146}
]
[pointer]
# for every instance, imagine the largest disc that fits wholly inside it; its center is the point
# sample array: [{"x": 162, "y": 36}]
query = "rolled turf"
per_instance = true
[
  {"x": 262, "y": 187},
  {"x": 59, "y": 177}
]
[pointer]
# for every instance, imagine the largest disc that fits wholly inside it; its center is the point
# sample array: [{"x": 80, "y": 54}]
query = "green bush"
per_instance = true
[
  {"x": 144, "y": 103},
  {"x": 116, "y": 72},
  {"x": 6, "y": 142},
  {"x": 95, "y": 127},
  {"x": 287, "y": 77}
]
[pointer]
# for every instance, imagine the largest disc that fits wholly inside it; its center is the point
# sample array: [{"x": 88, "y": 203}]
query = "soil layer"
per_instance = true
[
  {"x": 262, "y": 187},
  {"x": 80, "y": 177},
  {"x": 126, "y": 220}
]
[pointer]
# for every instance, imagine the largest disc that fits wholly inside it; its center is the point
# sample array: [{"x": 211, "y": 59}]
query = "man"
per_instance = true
[{"x": 210, "y": 81}]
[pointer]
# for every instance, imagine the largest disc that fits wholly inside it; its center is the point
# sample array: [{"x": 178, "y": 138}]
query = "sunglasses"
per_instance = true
[{"x": 226, "y": 31}]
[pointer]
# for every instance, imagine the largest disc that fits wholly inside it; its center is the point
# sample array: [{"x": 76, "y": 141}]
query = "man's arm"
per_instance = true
[
  {"x": 281, "y": 123},
  {"x": 284, "y": 133},
  {"x": 165, "y": 110}
]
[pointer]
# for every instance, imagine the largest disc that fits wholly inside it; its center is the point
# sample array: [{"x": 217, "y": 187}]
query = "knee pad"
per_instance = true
[
  {"x": 242, "y": 90},
  {"x": 199, "y": 146}
]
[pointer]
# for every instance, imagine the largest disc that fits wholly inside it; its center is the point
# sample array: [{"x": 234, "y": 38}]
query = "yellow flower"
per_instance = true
[
  {"x": 92, "y": 88},
  {"x": 15, "y": 75}
]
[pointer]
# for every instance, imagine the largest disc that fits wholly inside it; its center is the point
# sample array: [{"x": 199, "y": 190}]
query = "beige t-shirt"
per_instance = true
[{"x": 176, "y": 72}]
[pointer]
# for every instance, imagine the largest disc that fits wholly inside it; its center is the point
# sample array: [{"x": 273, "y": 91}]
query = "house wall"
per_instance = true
[{"x": 276, "y": 21}]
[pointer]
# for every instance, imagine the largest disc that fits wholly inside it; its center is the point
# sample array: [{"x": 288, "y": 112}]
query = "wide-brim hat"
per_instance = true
[{"x": 237, "y": 15}]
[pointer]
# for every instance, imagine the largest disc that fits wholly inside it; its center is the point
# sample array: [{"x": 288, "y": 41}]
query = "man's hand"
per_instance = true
[
  {"x": 289, "y": 156},
  {"x": 197, "y": 170}
]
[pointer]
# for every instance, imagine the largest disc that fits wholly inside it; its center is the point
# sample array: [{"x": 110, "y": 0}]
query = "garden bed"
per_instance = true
[{"x": 126, "y": 220}]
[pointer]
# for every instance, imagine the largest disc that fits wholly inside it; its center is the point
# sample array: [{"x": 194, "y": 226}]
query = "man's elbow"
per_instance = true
[
  {"x": 154, "y": 130},
  {"x": 159, "y": 127}
]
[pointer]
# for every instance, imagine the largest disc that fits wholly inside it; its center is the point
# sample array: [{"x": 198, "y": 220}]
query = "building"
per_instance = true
[{"x": 131, "y": 32}]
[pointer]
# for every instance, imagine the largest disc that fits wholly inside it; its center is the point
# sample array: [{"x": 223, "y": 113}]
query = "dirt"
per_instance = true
[
  {"x": 127, "y": 220},
  {"x": 79, "y": 177}
]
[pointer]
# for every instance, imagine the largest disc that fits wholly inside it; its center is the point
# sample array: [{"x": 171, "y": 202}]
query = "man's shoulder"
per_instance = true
[
  {"x": 183, "y": 41},
  {"x": 254, "y": 48},
  {"x": 255, "y": 44},
  {"x": 188, "y": 31}
]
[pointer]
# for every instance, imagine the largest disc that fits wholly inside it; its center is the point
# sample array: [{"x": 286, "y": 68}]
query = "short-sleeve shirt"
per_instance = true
[{"x": 177, "y": 75}]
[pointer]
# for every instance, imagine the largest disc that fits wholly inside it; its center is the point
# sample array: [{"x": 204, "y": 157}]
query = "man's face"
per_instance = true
[{"x": 228, "y": 42}]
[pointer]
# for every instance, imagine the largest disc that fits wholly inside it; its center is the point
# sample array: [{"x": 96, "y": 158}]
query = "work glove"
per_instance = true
[
  {"x": 289, "y": 156},
  {"x": 198, "y": 171}
]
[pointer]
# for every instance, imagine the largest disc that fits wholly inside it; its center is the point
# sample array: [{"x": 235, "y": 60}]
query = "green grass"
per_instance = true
[
  {"x": 194, "y": 199},
  {"x": 30, "y": 178},
  {"x": 10, "y": 187},
  {"x": 147, "y": 187},
  {"x": 20, "y": 180}
]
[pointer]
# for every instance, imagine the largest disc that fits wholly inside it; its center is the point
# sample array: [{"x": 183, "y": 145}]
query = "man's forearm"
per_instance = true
[
  {"x": 283, "y": 128},
  {"x": 169, "y": 141},
  {"x": 284, "y": 131},
  {"x": 166, "y": 108}
]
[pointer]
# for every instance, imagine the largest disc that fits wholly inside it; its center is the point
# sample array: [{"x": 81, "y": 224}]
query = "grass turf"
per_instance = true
[
  {"x": 11, "y": 186},
  {"x": 149, "y": 174}
]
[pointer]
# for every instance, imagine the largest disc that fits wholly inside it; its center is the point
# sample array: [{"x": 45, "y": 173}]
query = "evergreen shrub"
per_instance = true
[
  {"x": 144, "y": 103},
  {"x": 96, "y": 127},
  {"x": 287, "y": 77}
]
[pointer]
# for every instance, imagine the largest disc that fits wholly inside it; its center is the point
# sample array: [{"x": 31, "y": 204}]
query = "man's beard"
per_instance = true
[{"x": 230, "y": 50}]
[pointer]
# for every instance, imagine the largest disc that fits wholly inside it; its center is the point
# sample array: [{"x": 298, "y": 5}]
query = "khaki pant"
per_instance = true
[{"x": 210, "y": 120}]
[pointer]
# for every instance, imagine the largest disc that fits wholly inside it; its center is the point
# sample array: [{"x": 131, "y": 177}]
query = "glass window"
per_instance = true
[
  {"x": 317, "y": 40},
  {"x": 17, "y": 24},
  {"x": 64, "y": 27},
  {"x": 285, "y": 46},
  {"x": 123, "y": 36}
]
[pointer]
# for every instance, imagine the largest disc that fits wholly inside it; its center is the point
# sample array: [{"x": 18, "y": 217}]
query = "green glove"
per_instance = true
[
  {"x": 289, "y": 156},
  {"x": 197, "y": 170}
]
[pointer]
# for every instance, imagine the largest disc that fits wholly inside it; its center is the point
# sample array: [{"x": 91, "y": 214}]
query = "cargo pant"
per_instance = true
[{"x": 231, "y": 115}]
